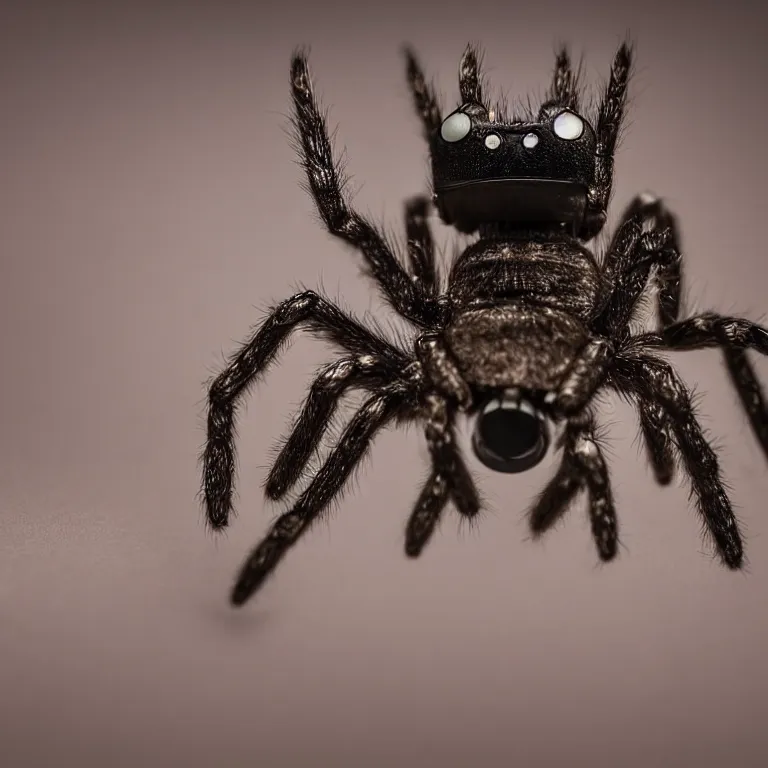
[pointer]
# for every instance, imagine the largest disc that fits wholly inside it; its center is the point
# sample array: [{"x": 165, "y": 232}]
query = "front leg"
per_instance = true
[{"x": 326, "y": 187}]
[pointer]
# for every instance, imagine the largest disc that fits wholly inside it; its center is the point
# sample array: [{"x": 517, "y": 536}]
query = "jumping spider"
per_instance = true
[{"x": 530, "y": 327}]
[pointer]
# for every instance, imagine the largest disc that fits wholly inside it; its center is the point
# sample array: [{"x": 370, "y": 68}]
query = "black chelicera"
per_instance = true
[{"x": 530, "y": 327}]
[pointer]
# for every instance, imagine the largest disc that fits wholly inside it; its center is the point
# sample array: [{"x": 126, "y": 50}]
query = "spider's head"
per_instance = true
[
  {"x": 531, "y": 174},
  {"x": 550, "y": 173}
]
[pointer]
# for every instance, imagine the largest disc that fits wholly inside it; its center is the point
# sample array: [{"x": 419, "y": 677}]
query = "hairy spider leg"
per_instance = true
[
  {"x": 657, "y": 433},
  {"x": 610, "y": 116},
  {"x": 471, "y": 77},
  {"x": 656, "y": 380},
  {"x": 242, "y": 371},
  {"x": 449, "y": 476},
  {"x": 423, "y": 94},
  {"x": 326, "y": 186},
  {"x": 751, "y": 393},
  {"x": 587, "y": 375},
  {"x": 374, "y": 414},
  {"x": 735, "y": 336},
  {"x": 646, "y": 238},
  {"x": 582, "y": 466},
  {"x": 421, "y": 247},
  {"x": 632, "y": 255},
  {"x": 331, "y": 384},
  {"x": 564, "y": 90}
]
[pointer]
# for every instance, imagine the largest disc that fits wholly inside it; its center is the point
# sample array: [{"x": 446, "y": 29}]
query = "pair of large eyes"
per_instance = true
[{"x": 566, "y": 125}]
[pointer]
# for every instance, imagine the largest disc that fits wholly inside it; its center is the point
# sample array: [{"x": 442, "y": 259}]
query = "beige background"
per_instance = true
[{"x": 150, "y": 208}]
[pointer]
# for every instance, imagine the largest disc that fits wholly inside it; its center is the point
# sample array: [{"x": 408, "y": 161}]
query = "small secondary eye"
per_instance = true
[
  {"x": 530, "y": 140},
  {"x": 568, "y": 126},
  {"x": 455, "y": 127},
  {"x": 493, "y": 141}
]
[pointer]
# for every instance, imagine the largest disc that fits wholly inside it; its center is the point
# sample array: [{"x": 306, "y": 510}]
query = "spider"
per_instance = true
[{"x": 530, "y": 327}]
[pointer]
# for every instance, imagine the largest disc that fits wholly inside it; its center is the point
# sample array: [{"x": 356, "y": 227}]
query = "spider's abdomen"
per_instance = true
[
  {"x": 558, "y": 273},
  {"x": 516, "y": 345}
]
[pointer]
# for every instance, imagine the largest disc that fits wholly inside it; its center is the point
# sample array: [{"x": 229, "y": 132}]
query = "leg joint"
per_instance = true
[{"x": 299, "y": 305}]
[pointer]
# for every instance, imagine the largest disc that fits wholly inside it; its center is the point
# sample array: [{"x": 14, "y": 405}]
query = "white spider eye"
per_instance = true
[
  {"x": 455, "y": 127},
  {"x": 493, "y": 141},
  {"x": 530, "y": 140},
  {"x": 568, "y": 126}
]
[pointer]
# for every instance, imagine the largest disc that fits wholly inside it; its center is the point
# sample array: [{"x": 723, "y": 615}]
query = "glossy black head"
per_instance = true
[
  {"x": 551, "y": 172},
  {"x": 532, "y": 174}
]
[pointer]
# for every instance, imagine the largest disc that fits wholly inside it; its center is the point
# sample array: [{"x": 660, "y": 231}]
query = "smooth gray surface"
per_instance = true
[{"x": 149, "y": 209}]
